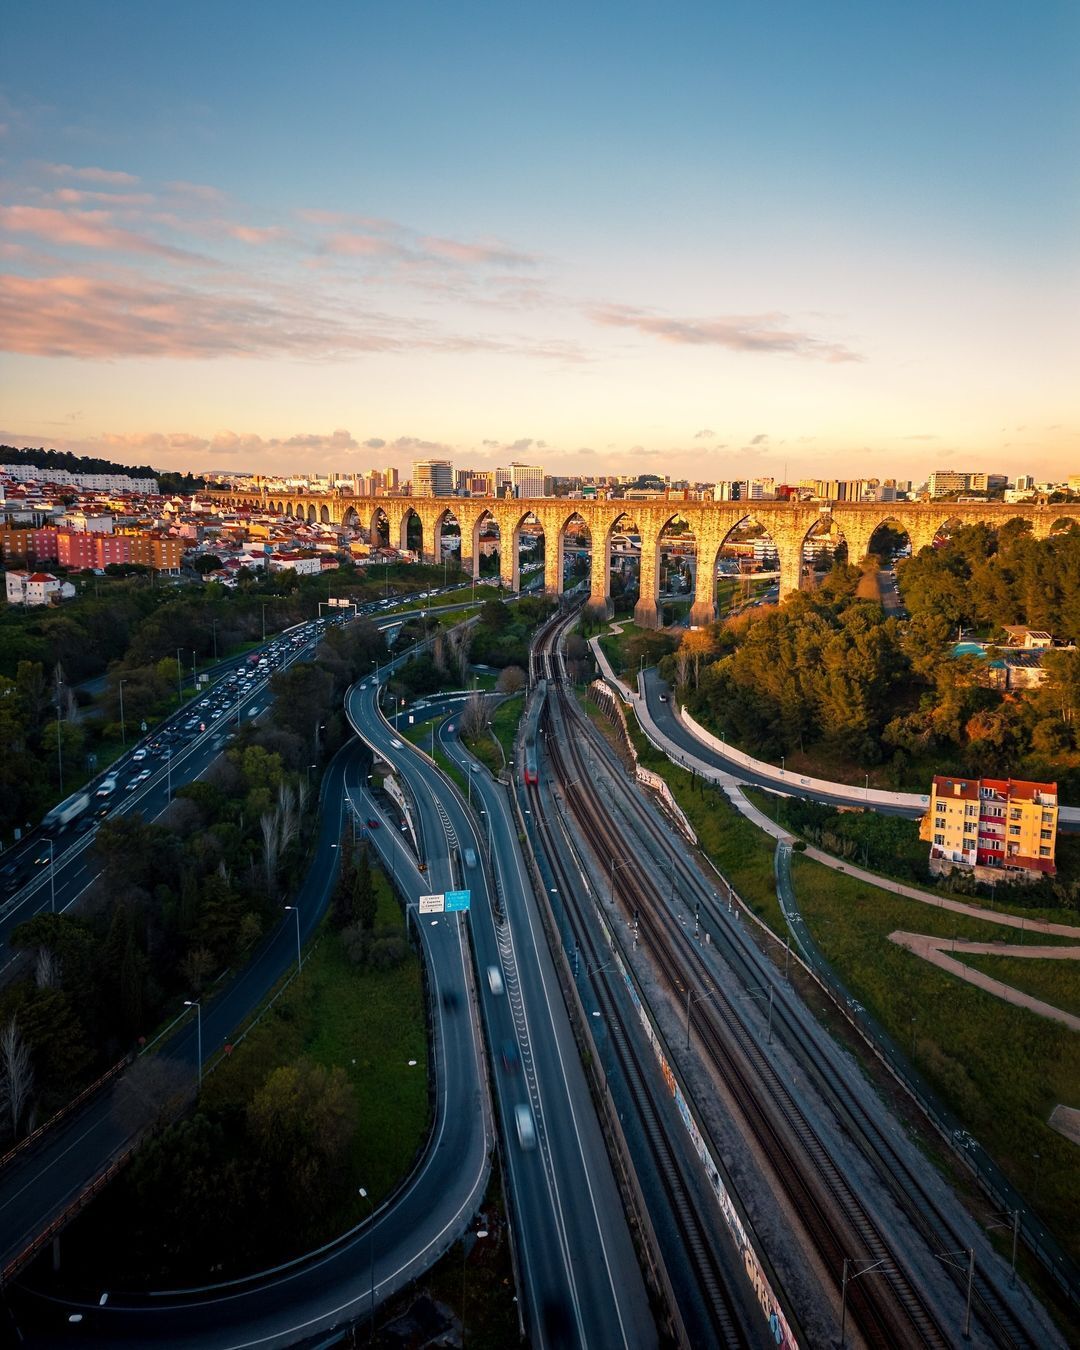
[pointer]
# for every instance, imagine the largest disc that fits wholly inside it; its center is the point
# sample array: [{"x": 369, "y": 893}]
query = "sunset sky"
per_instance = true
[{"x": 708, "y": 240}]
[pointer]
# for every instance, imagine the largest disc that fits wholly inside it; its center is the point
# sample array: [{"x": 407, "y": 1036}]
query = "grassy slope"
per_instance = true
[
  {"x": 1000, "y": 1068},
  {"x": 1055, "y": 982},
  {"x": 369, "y": 1022}
]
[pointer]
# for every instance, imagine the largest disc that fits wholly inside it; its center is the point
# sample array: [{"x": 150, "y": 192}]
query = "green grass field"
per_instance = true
[
  {"x": 1000, "y": 1068},
  {"x": 614, "y": 644},
  {"x": 371, "y": 1023},
  {"x": 1055, "y": 982}
]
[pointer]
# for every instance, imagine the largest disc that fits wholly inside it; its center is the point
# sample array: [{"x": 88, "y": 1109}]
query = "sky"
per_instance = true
[{"x": 705, "y": 240}]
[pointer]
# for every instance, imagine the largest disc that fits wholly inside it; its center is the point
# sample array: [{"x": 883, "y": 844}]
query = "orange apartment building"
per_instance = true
[{"x": 996, "y": 824}]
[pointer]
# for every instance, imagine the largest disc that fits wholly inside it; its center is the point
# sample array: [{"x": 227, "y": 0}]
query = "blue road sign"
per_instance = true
[{"x": 457, "y": 900}]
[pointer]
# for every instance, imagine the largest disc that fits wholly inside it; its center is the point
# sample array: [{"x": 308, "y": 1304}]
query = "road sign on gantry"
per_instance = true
[
  {"x": 431, "y": 904},
  {"x": 457, "y": 901}
]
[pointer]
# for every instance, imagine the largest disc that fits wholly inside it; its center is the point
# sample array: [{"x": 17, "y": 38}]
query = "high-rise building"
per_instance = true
[
  {"x": 432, "y": 478},
  {"x": 1025, "y": 482},
  {"x": 986, "y": 482},
  {"x": 527, "y": 480},
  {"x": 501, "y": 482},
  {"x": 944, "y": 481},
  {"x": 390, "y": 480}
]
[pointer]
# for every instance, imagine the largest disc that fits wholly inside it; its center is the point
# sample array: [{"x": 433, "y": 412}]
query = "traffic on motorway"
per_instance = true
[{"x": 231, "y": 684}]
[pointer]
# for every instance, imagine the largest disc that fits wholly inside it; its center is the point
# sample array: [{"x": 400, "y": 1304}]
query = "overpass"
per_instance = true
[{"x": 789, "y": 524}]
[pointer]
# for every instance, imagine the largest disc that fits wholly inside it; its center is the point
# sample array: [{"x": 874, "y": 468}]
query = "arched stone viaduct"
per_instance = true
[{"x": 788, "y": 523}]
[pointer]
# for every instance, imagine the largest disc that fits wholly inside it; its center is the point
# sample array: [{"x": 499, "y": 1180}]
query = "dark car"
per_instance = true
[
  {"x": 373, "y": 824},
  {"x": 508, "y": 1053}
]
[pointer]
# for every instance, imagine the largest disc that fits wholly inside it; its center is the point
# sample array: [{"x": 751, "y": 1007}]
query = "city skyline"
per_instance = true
[{"x": 688, "y": 244}]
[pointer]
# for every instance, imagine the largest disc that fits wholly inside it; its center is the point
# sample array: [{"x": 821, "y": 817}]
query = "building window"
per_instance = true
[
  {"x": 1044, "y": 853},
  {"x": 971, "y": 810},
  {"x": 939, "y": 823},
  {"x": 1015, "y": 813},
  {"x": 1046, "y": 834},
  {"x": 1048, "y": 818},
  {"x": 939, "y": 839},
  {"x": 1014, "y": 829}
]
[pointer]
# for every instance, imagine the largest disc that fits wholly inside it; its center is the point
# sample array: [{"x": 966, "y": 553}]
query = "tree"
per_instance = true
[
  {"x": 511, "y": 679},
  {"x": 365, "y": 901},
  {"x": 16, "y": 1075},
  {"x": 208, "y": 562}
]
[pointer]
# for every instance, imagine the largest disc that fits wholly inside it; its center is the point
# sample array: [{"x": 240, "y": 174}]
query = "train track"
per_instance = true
[
  {"x": 889, "y": 1310},
  {"x": 906, "y": 1185},
  {"x": 713, "y": 1279}
]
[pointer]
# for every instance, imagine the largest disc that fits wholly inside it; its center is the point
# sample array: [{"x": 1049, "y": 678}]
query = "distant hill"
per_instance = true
[{"x": 168, "y": 482}]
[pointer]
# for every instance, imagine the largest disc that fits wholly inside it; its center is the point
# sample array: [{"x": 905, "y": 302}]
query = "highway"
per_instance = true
[
  {"x": 580, "y": 1278},
  {"x": 343, "y": 1282}
]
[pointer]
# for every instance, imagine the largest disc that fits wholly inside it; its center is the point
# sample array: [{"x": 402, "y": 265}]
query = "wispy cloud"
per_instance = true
[
  {"x": 706, "y": 434},
  {"x": 90, "y": 174},
  {"x": 375, "y": 237},
  {"x": 755, "y": 333},
  {"x": 84, "y": 229},
  {"x": 100, "y": 318}
]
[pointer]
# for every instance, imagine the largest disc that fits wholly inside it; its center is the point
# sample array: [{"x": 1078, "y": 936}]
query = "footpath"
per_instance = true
[{"x": 928, "y": 948}]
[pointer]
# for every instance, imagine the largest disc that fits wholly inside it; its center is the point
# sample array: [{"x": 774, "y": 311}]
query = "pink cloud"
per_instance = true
[
  {"x": 363, "y": 246},
  {"x": 254, "y": 234},
  {"x": 456, "y": 251},
  {"x": 85, "y": 229},
  {"x": 77, "y": 196},
  {"x": 89, "y": 174},
  {"x": 762, "y": 333}
]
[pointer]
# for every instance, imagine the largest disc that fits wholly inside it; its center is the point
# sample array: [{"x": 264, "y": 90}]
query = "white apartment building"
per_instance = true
[
  {"x": 527, "y": 480},
  {"x": 36, "y": 588}
]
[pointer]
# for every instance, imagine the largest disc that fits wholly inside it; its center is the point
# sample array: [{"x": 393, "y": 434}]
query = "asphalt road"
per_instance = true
[
  {"x": 663, "y": 714},
  {"x": 581, "y": 1281}
]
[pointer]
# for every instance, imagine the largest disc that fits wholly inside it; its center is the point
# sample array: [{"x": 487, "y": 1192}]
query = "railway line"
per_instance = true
[
  {"x": 796, "y": 1027},
  {"x": 889, "y": 1309},
  {"x": 710, "y": 1273}
]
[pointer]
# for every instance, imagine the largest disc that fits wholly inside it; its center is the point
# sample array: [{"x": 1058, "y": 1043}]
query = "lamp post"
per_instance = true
[
  {"x": 264, "y": 620},
  {"x": 213, "y": 629},
  {"x": 179, "y": 678},
  {"x": 123, "y": 733},
  {"x": 52, "y": 875},
  {"x": 195, "y": 1003},
  {"x": 371, "y": 1254},
  {"x": 296, "y": 914}
]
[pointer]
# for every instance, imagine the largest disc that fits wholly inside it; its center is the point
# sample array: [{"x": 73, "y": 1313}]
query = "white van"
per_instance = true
[
  {"x": 494, "y": 979},
  {"x": 107, "y": 787}
]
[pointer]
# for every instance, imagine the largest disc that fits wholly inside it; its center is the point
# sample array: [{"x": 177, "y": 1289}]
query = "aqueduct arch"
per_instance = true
[{"x": 788, "y": 523}]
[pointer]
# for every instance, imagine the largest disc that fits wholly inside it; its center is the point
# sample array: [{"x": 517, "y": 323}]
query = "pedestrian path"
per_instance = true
[{"x": 938, "y": 951}]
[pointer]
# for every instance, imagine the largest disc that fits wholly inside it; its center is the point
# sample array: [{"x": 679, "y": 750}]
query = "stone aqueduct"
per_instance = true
[{"x": 788, "y": 523}]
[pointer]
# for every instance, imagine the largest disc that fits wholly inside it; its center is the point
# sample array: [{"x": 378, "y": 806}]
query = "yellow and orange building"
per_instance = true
[{"x": 997, "y": 824}]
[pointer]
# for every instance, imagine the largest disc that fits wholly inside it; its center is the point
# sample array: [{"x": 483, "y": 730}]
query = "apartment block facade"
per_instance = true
[{"x": 997, "y": 824}]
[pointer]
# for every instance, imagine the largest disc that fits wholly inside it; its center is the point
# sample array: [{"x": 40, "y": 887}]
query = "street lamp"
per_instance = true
[
  {"x": 123, "y": 734},
  {"x": 52, "y": 876},
  {"x": 296, "y": 914},
  {"x": 179, "y": 677},
  {"x": 194, "y": 1003},
  {"x": 371, "y": 1253}
]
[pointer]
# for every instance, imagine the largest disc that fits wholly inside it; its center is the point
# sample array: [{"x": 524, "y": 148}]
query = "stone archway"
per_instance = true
[
  {"x": 579, "y": 559},
  {"x": 349, "y": 519},
  {"x": 824, "y": 545},
  {"x": 447, "y": 540},
  {"x": 750, "y": 567},
  {"x": 411, "y": 537},
  {"x": 379, "y": 529},
  {"x": 487, "y": 543},
  {"x": 324, "y": 514},
  {"x": 676, "y": 568}
]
